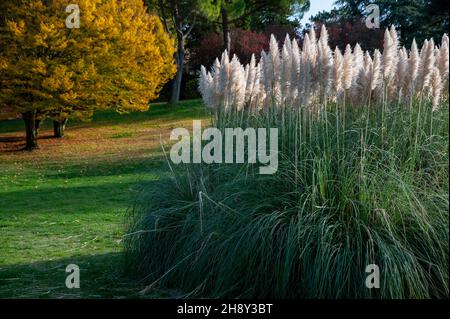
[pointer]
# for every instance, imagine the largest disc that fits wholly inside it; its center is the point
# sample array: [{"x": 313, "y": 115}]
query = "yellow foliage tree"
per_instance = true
[{"x": 119, "y": 58}]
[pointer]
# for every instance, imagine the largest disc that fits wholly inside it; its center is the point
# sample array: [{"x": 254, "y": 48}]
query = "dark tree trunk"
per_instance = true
[
  {"x": 59, "y": 127},
  {"x": 37, "y": 126},
  {"x": 226, "y": 30},
  {"x": 179, "y": 59},
  {"x": 29, "y": 119}
]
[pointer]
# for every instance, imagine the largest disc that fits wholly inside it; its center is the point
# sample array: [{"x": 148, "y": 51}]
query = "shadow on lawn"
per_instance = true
[
  {"x": 80, "y": 186},
  {"x": 98, "y": 198},
  {"x": 18, "y": 142},
  {"x": 139, "y": 167},
  {"x": 100, "y": 277},
  {"x": 11, "y": 139}
]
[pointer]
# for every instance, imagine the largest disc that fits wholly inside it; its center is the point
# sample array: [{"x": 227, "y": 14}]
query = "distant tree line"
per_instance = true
[
  {"x": 241, "y": 27},
  {"x": 414, "y": 19}
]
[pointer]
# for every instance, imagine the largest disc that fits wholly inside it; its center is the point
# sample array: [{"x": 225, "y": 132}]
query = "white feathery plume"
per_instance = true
[
  {"x": 237, "y": 83},
  {"x": 436, "y": 51},
  {"x": 445, "y": 39},
  {"x": 204, "y": 85},
  {"x": 410, "y": 80},
  {"x": 387, "y": 44},
  {"x": 338, "y": 72},
  {"x": 310, "y": 49},
  {"x": 426, "y": 64},
  {"x": 313, "y": 45},
  {"x": 216, "y": 66},
  {"x": 368, "y": 63},
  {"x": 288, "y": 43},
  {"x": 306, "y": 77},
  {"x": 402, "y": 70},
  {"x": 312, "y": 34},
  {"x": 216, "y": 90},
  {"x": 295, "y": 74},
  {"x": 358, "y": 58},
  {"x": 251, "y": 77},
  {"x": 313, "y": 58},
  {"x": 305, "y": 68},
  {"x": 358, "y": 72},
  {"x": 364, "y": 78},
  {"x": 325, "y": 61},
  {"x": 267, "y": 77},
  {"x": 224, "y": 91},
  {"x": 295, "y": 61},
  {"x": 215, "y": 73},
  {"x": 436, "y": 88},
  {"x": 442, "y": 63},
  {"x": 394, "y": 37},
  {"x": 274, "y": 54},
  {"x": 246, "y": 74},
  {"x": 389, "y": 56},
  {"x": 307, "y": 50},
  {"x": 323, "y": 35},
  {"x": 274, "y": 70},
  {"x": 260, "y": 85},
  {"x": 266, "y": 74},
  {"x": 376, "y": 71},
  {"x": 348, "y": 67},
  {"x": 286, "y": 69},
  {"x": 393, "y": 87}
]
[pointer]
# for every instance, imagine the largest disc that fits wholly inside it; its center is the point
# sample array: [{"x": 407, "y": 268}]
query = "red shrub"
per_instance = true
[
  {"x": 352, "y": 32},
  {"x": 244, "y": 43},
  {"x": 280, "y": 31}
]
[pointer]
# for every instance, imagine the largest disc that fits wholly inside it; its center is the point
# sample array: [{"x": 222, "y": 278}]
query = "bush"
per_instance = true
[
  {"x": 244, "y": 43},
  {"x": 368, "y": 186},
  {"x": 190, "y": 90}
]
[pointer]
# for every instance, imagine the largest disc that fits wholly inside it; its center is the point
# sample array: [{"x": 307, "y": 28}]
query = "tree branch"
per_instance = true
[{"x": 163, "y": 15}]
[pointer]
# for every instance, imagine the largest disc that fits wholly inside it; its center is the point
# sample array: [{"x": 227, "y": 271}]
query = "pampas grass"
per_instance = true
[
  {"x": 316, "y": 75},
  {"x": 362, "y": 179},
  {"x": 342, "y": 199},
  {"x": 436, "y": 88}
]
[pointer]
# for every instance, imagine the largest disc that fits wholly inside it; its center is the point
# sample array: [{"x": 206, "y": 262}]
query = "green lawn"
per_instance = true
[{"x": 66, "y": 202}]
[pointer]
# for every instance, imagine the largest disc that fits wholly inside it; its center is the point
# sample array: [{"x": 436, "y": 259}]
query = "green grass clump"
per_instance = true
[{"x": 364, "y": 186}]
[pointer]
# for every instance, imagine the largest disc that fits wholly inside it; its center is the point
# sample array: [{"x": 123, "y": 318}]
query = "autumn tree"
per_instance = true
[{"x": 119, "y": 58}]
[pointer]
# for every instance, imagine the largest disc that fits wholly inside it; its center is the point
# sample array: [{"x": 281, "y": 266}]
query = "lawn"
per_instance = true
[{"x": 66, "y": 202}]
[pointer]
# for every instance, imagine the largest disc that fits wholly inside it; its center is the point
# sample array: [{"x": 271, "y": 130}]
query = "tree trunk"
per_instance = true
[
  {"x": 176, "y": 82},
  {"x": 30, "y": 128},
  {"x": 58, "y": 128},
  {"x": 179, "y": 59},
  {"x": 226, "y": 30},
  {"x": 37, "y": 126}
]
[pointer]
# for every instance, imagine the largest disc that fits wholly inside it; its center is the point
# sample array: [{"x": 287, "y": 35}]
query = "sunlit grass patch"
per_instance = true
[{"x": 66, "y": 202}]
